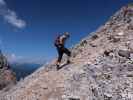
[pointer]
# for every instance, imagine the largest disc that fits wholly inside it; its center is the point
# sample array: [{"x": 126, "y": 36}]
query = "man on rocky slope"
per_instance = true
[{"x": 61, "y": 49}]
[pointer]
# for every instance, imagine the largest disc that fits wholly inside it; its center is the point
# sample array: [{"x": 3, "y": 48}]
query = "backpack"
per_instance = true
[{"x": 57, "y": 40}]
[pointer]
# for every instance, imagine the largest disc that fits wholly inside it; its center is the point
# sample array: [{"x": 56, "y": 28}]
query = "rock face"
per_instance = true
[
  {"x": 7, "y": 77},
  {"x": 102, "y": 68}
]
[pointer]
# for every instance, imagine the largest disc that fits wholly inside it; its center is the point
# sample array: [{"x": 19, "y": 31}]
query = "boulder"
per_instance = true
[{"x": 124, "y": 53}]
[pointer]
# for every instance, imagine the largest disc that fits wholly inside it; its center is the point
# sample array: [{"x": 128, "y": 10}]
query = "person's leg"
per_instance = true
[
  {"x": 60, "y": 54},
  {"x": 68, "y": 53}
]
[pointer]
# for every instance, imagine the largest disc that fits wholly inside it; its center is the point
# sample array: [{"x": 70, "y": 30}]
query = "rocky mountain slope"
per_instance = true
[
  {"x": 7, "y": 77},
  {"x": 102, "y": 68}
]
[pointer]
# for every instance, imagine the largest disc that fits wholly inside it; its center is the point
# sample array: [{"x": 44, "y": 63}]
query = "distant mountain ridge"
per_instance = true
[{"x": 24, "y": 69}]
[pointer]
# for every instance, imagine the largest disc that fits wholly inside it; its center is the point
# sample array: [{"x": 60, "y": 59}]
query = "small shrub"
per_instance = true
[
  {"x": 94, "y": 37},
  {"x": 83, "y": 43},
  {"x": 107, "y": 52}
]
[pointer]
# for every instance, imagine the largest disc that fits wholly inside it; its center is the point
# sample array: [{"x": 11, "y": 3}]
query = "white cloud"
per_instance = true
[
  {"x": 10, "y": 16},
  {"x": 2, "y": 2},
  {"x": 13, "y": 58}
]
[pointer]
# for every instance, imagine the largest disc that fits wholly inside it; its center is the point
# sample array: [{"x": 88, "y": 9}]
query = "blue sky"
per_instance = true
[{"x": 28, "y": 27}]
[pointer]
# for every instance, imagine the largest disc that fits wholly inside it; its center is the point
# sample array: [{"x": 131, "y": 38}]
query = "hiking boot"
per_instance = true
[
  {"x": 57, "y": 67},
  {"x": 68, "y": 62}
]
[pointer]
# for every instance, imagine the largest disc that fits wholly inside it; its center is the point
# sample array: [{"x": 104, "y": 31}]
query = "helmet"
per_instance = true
[{"x": 67, "y": 34}]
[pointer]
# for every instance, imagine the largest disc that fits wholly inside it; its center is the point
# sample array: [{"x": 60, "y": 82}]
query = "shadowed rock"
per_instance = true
[{"x": 124, "y": 53}]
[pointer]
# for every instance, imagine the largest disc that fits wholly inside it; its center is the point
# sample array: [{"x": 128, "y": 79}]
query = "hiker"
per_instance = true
[
  {"x": 125, "y": 10},
  {"x": 61, "y": 49}
]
